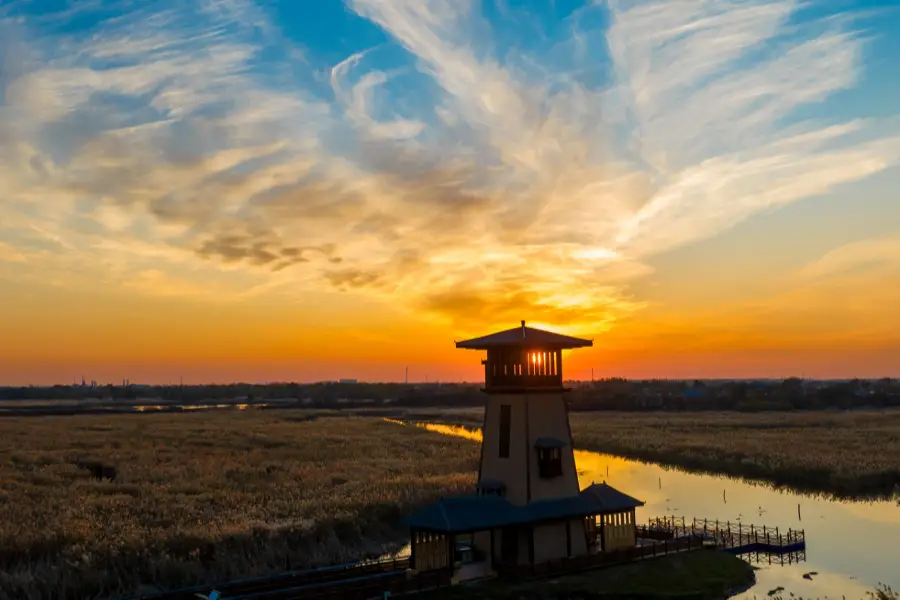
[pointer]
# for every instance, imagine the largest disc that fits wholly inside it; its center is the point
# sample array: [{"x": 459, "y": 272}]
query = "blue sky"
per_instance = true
[{"x": 594, "y": 164}]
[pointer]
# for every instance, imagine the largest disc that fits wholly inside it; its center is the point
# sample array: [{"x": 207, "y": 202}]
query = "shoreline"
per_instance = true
[{"x": 884, "y": 487}]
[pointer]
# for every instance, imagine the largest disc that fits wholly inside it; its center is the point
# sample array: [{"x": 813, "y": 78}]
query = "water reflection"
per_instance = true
[{"x": 852, "y": 546}]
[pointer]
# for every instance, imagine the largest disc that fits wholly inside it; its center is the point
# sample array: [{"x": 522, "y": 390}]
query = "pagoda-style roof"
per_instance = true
[
  {"x": 466, "y": 513},
  {"x": 608, "y": 498},
  {"x": 525, "y": 336},
  {"x": 478, "y": 513}
]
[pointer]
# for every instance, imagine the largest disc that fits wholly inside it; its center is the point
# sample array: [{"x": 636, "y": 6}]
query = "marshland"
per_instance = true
[
  {"x": 202, "y": 497},
  {"x": 207, "y": 497}
]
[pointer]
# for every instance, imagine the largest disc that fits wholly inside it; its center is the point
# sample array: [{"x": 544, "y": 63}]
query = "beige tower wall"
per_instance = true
[
  {"x": 550, "y": 541},
  {"x": 579, "y": 540},
  {"x": 547, "y": 417},
  {"x": 511, "y": 471},
  {"x": 531, "y": 417}
]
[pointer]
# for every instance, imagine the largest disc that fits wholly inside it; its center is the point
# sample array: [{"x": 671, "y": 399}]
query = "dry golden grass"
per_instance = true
[
  {"x": 206, "y": 497},
  {"x": 847, "y": 454}
]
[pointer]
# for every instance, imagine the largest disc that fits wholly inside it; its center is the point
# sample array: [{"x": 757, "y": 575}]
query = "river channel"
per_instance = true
[{"x": 851, "y": 546}]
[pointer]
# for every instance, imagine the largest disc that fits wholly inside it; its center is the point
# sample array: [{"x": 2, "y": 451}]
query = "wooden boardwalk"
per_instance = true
[
  {"x": 304, "y": 583},
  {"x": 736, "y": 538},
  {"x": 369, "y": 579}
]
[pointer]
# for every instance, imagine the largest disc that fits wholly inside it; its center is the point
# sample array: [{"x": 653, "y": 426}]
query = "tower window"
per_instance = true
[
  {"x": 549, "y": 452},
  {"x": 549, "y": 462},
  {"x": 505, "y": 423}
]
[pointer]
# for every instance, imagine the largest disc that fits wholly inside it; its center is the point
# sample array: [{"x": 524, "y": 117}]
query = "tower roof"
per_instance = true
[{"x": 524, "y": 336}]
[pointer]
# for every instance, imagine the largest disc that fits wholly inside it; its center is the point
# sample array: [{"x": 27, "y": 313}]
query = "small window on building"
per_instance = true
[
  {"x": 505, "y": 423},
  {"x": 492, "y": 488},
  {"x": 549, "y": 462}
]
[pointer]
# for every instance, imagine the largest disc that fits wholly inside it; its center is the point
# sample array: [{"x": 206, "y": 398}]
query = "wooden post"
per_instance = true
[
  {"x": 450, "y": 549},
  {"x": 491, "y": 561},
  {"x": 531, "y": 546}
]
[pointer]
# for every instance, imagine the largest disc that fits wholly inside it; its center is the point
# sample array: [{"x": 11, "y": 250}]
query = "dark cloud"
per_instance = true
[
  {"x": 353, "y": 278},
  {"x": 261, "y": 249}
]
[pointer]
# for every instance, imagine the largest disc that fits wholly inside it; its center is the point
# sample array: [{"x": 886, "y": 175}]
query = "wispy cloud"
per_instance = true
[
  {"x": 191, "y": 141},
  {"x": 880, "y": 255}
]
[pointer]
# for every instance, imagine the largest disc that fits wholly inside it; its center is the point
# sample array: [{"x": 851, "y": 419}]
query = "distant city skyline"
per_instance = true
[{"x": 240, "y": 190}]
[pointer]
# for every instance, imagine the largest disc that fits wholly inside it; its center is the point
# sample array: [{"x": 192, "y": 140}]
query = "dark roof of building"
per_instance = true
[
  {"x": 561, "y": 508},
  {"x": 609, "y": 499},
  {"x": 466, "y": 513},
  {"x": 549, "y": 442},
  {"x": 477, "y": 513},
  {"x": 524, "y": 336}
]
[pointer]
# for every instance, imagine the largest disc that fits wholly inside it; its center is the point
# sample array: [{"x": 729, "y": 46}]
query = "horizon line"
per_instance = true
[{"x": 353, "y": 381}]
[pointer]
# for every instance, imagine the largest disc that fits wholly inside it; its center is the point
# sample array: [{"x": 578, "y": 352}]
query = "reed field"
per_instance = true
[
  {"x": 852, "y": 454},
  {"x": 206, "y": 497}
]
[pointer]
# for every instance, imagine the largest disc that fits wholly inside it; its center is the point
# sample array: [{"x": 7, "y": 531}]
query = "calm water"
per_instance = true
[{"x": 852, "y": 545}]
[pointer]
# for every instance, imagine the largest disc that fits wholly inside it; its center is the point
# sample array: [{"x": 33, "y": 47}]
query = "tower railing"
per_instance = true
[
  {"x": 530, "y": 368},
  {"x": 522, "y": 381}
]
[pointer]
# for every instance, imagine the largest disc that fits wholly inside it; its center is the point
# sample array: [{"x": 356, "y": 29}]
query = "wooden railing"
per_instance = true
[
  {"x": 365, "y": 588},
  {"x": 291, "y": 580},
  {"x": 726, "y": 534},
  {"x": 520, "y": 381}
]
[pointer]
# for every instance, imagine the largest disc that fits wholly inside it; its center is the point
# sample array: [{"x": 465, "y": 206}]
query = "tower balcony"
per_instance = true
[
  {"x": 517, "y": 369},
  {"x": 523, "y": 359}
]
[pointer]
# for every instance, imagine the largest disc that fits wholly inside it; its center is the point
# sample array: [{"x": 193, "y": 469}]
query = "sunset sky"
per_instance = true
[{"x": 229, "y": 190}]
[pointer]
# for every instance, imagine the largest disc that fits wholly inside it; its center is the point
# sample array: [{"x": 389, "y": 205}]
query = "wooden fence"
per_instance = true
[
  {"x": 726, "y": 534},
  {"x": 246, "y": 588},
  {"x": 396, "y": 584}
]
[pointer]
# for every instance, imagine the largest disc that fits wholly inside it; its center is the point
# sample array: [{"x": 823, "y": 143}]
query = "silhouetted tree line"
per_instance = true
[
  {"x": 744, "y": 396},
  {"x": 315, "y": 395},
  {"x": 606, "y": 394}
]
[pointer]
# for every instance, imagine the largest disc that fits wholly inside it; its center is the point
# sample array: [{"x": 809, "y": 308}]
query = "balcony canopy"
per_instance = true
[{"x": 527, "y": 337}]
